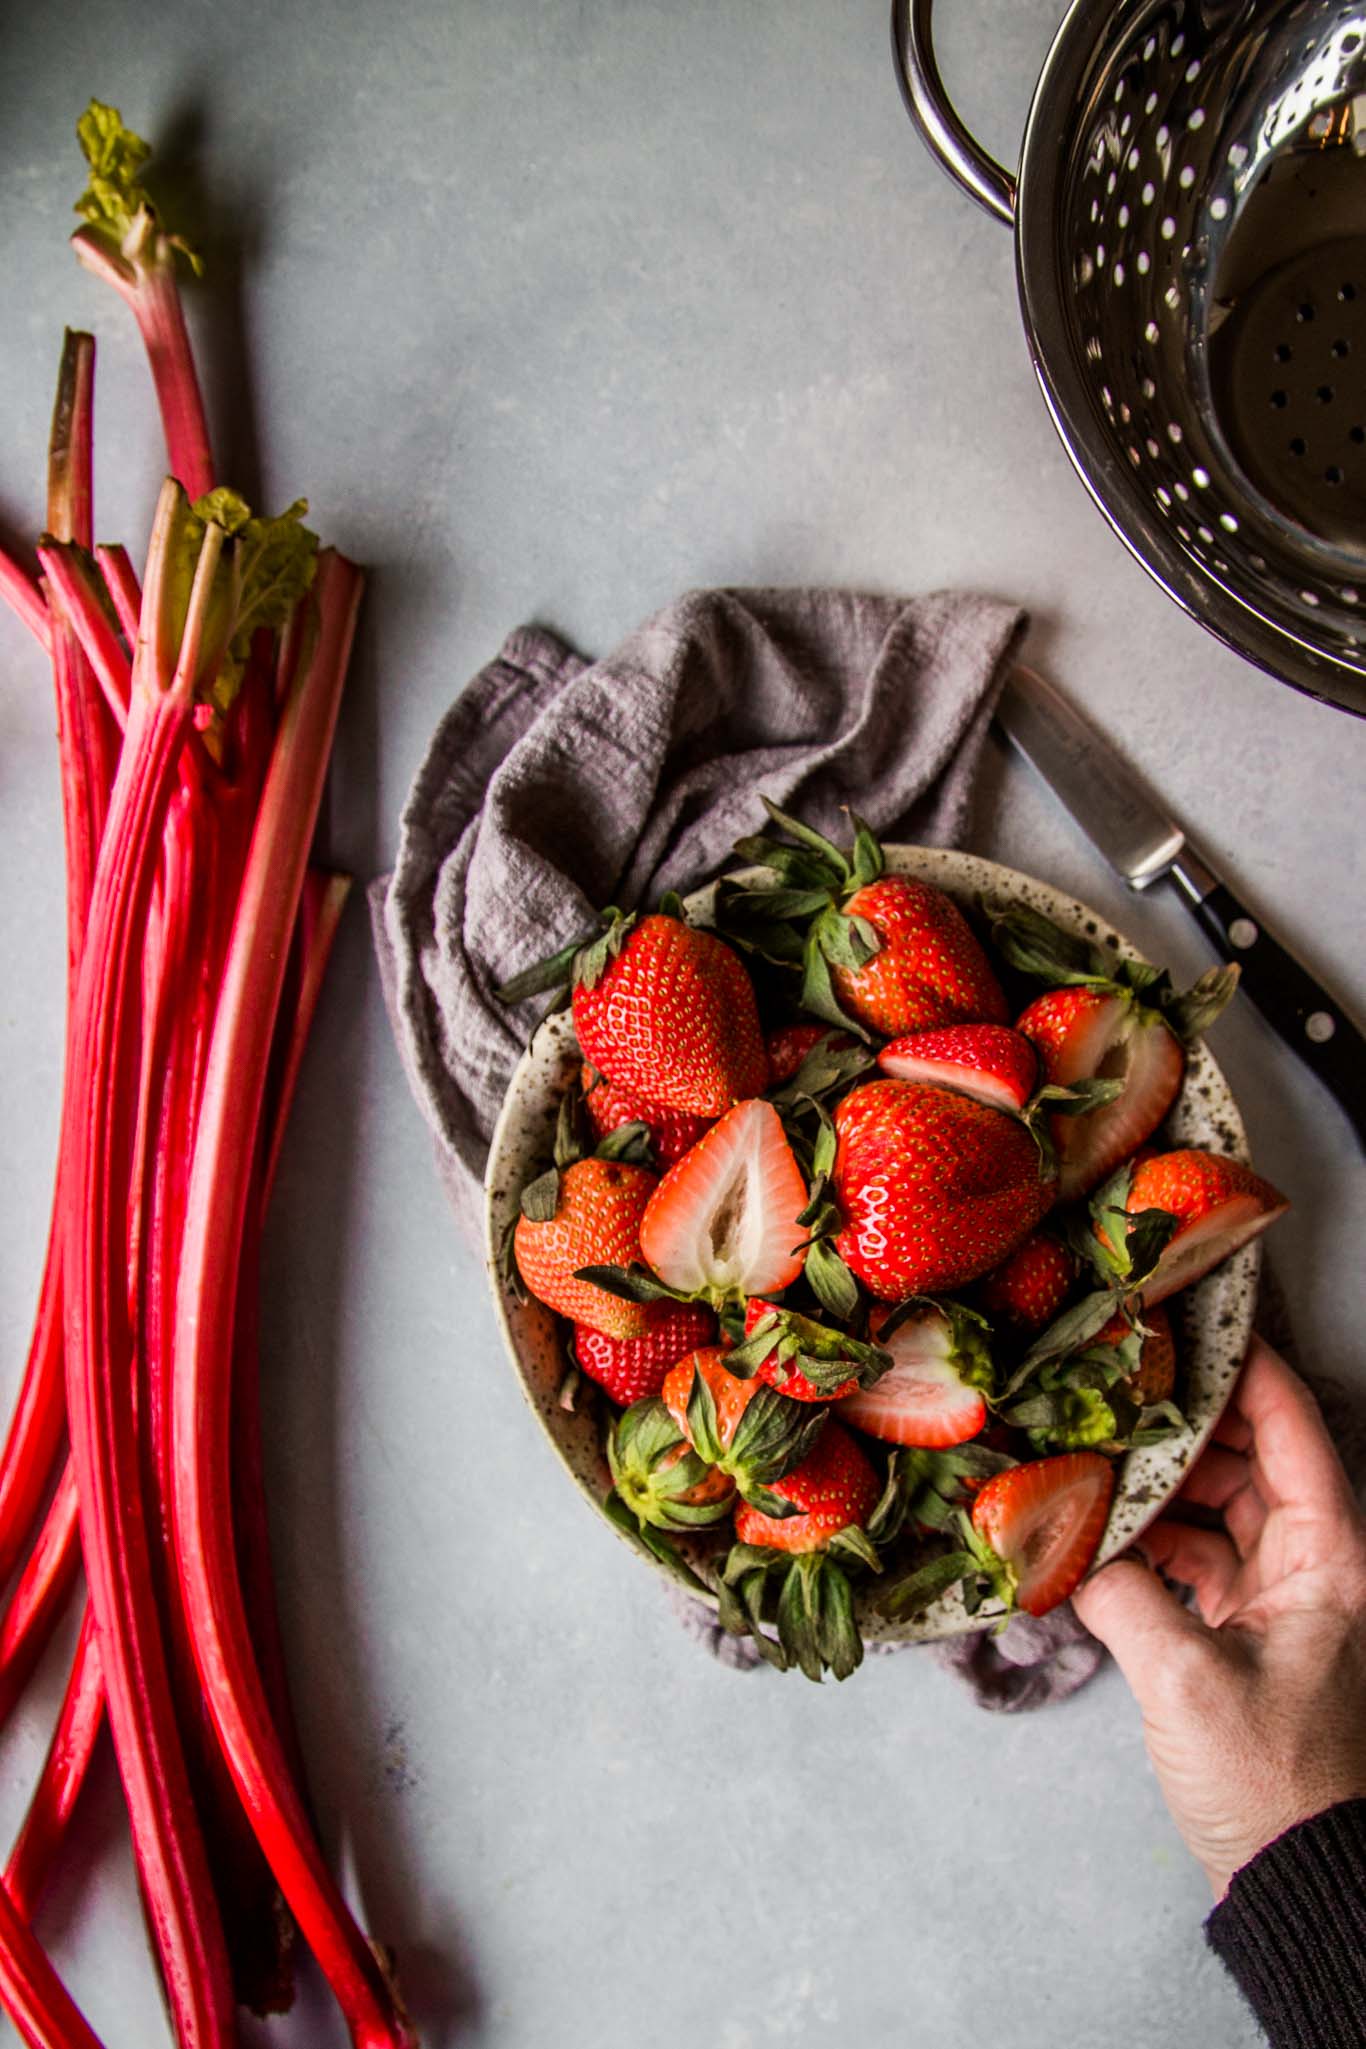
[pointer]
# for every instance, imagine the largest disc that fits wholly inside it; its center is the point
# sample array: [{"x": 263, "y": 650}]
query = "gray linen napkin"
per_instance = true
[{"x": 554, "y": 785}]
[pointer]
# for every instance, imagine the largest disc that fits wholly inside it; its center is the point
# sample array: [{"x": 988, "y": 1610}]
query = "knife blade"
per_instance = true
[{"x": 1144, "y": 845}]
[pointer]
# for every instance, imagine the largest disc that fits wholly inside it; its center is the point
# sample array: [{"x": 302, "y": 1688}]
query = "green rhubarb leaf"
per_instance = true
[{"x": 115, "y": 207}]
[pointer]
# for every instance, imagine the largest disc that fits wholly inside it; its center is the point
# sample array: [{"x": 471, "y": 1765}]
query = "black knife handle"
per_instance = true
[{"x": 1291, "y": 1001}]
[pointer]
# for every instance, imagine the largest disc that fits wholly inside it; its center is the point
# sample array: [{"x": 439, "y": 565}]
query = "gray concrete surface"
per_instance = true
[{"x": 553, "y": 310}]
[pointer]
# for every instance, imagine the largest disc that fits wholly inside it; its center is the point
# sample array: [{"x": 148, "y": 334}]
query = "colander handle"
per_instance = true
[{"x": 934, "y": 114}]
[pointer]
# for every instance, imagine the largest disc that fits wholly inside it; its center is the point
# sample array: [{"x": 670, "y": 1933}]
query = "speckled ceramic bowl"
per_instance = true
[{"x": 1213, "y": 1319}]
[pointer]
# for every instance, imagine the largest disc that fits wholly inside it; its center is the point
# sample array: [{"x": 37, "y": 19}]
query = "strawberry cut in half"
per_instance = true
[
  {"x": 723, "y": 1223},
  {"x": 1083, "y": 1034},
  {"x": 1044, "y": 1521},
  {"x": 1107, "y": 1018},
  {"x": 631, "y": 1369},
  {"x": 994, "y": 1064},
  {"x": 1219, "y": 1204},
  {"x": 932, "y": 1395}
]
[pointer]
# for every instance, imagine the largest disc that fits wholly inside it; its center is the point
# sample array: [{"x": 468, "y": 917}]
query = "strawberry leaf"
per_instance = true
[
  {"x": 906, "y": 1596},
  {"x": 818, "y": 990},
  {"x": 807, "y": 836},
  {"x": 634, "y": 1283},
  {"x": 868, "y": 857},
  {"x": 1194, "y": 1012},
  {"x": 1066, "y": 1334},
  {"x": 1035, "y": 946},
  {"x": 629, "y": 1142},
  {"x": 546, "y": 975},
  {"x": 831, "y": 1281},
  {"x": 827, "y": 1067},
  {"x": 541, "y": 1197}
]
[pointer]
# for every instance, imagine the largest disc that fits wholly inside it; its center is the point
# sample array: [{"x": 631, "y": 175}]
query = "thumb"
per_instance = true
[{"x": 1138, "y": 1619}]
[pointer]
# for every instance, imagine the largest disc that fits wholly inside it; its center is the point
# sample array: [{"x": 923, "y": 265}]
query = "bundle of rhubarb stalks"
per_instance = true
[{"x": 196, "y": 705}]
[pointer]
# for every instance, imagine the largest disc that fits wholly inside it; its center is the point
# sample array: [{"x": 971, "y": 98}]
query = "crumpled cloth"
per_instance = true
[{"x": 555, "y": 785}]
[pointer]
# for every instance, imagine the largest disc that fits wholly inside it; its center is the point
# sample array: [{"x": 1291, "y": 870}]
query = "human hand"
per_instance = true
[{"x": 1254, "y": 1711}]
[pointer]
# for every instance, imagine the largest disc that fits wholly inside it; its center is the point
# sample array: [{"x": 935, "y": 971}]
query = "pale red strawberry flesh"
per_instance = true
[
  {"x": 920, "y": 1400},
  {"x": 994, "y": 1064},
  {"x": 723, "y": 1221},
  {"x": 1047, "y": 1520},
  {"x": 1108, "y": 1038},
  {"x": 1203, "y": 1244}
]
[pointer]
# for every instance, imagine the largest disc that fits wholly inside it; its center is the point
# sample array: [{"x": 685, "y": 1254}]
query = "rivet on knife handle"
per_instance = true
[{"x": 1292, "y": 1002}]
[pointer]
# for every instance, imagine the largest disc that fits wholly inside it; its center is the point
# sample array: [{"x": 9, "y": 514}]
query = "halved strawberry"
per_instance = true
[
  {"x": 1085, "y": 1033},
  {"x": 609, "y": 1106},
  {"x": 631, "y": 1369},
  {"x": 1030, "y": 1285},
  {"x": 933, "y": 1187},
  {"x": 723, "y": 1222},
  {"x": 588, "y": 1215},
  {"x": 1107, "y": 1018},
  {"x": 932, "y": 1394},
  {"x": 1220, "y": 1204},
  {"x": 741, "y": 1427},
  {"x": 991, "y": 1062},
  {"x": 1045, "y": 1520}
]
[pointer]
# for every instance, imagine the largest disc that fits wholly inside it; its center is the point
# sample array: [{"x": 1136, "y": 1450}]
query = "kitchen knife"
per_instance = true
[{"x": 1120, "y": 818}]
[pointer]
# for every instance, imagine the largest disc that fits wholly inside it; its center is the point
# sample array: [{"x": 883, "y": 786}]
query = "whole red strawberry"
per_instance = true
[
  {"x": 1030, "y": 1285},
  {"x": 662, "y": 1009},
  {"x": 834, "y": 1489},
  {"x": 934, "y": 1188},
  {"x": 610, "y": 1106},
  {"x": 631, "y": 1369},
  {"x": 741, "y": 1427},
  {"x": 672, "y": 1017},
  {"x": 928, "y": 969},
  {"x": 885, "y": 951},
  {"x": 591, "y": 1217}
]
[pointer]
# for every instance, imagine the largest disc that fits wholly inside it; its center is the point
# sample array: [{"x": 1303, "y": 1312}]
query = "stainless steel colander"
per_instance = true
[{"x": 1190, "y": 233}]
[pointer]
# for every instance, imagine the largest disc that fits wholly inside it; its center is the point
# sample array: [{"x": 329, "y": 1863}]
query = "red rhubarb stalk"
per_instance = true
[
  {"x": 88, "y": 752},
  {"x": 220, "y": 1187},
  {"x": 167, "y": 1843},
  {"x": 21, "y": 593},
  {"x": 71, "y": 573},
  {"x": 121, "y": 582},
  {"x": 124, "y": 243},
  {"x": 34, "y": 1855},
  {"x": 32, "y": 1994}
]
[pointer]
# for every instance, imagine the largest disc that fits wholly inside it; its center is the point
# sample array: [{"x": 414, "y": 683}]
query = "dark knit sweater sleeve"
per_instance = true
[{"x": 1292, "y": 1930}]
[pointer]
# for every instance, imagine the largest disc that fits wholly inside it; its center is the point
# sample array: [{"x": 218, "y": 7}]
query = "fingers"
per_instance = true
[
  {"x": 1137, "y": 1619},
  {"x": 1295, "y": 1458},
  {"x": 1204, "y": 1560},
  {"x": 1223, "y": 1481}
]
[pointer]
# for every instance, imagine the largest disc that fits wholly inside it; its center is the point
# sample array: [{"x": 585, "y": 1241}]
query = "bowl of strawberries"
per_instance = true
[{"x": 874, "y": 1236}]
